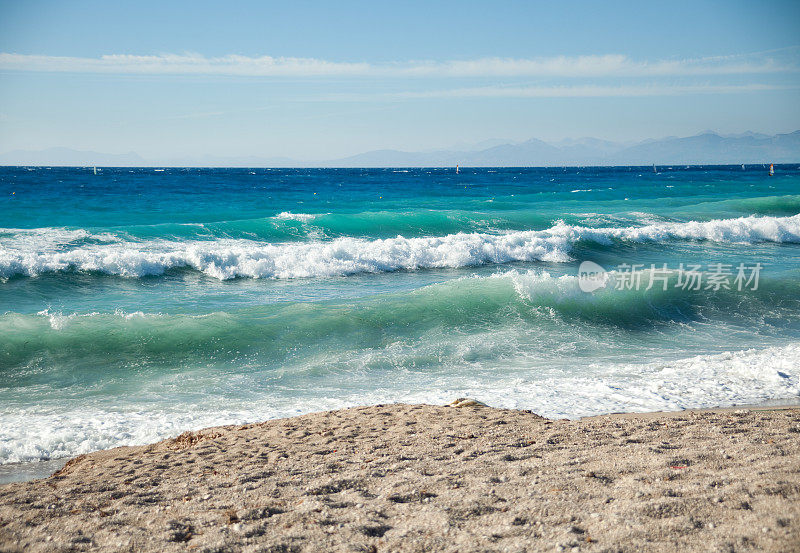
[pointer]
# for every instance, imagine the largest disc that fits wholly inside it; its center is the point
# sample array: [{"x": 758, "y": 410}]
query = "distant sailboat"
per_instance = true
[
  {"x": 771, "y": 170},
  {"x": 456, "y": 169},
  {"x": 654, "y": 169},
  {"x": 95, "y": 170}
]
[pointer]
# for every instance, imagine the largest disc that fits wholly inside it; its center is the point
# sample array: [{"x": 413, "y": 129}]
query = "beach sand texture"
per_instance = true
[{"x": 426, "y": 478}]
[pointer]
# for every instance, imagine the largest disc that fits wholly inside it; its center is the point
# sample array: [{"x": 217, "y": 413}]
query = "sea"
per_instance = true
[{"x": 139, "y": 303}]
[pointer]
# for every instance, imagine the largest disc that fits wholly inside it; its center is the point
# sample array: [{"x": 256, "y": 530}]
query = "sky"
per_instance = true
[{"x": 322, "y": 80}]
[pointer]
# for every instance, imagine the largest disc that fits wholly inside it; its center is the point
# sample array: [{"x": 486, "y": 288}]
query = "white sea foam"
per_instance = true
[
  {"x": 58, "y": 321},
  {"x": 289, "y": 216},
  {"x": 50, "y": 239},
  {"x": 730, "y": 378},
  {"x": 38, "y": 252}
]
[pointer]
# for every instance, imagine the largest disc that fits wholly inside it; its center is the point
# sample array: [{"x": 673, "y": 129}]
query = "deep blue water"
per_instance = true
[{"x": 138, "y": 303}]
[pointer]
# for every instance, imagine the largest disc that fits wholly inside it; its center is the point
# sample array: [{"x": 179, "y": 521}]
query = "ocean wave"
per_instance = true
[
  {"x": 534, "y": 303},
  {"x": 52, "y": 239},
  {"x": 763, "y": 205},
  {"x": 232, "y": 258},
  {"x": 737, "y": 377},
  {"x": 290, "y": 226},
  {"x": 289, "y": 216}
]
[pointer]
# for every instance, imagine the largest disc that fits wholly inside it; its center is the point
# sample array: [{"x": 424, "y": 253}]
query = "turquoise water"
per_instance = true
[{"x": 139, "y": 303}]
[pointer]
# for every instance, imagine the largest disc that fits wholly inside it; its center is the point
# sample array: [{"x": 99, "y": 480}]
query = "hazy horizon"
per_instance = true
[
  {"x": 319, "y": 82},
  {"x": 708, "y": 147}
]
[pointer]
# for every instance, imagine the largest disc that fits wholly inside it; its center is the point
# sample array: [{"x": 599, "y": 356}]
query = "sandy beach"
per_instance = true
[{"x": 427, "y": 478}]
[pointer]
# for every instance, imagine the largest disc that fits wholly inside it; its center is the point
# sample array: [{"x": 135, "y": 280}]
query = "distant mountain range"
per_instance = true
[{"x": 705, "y": 149}]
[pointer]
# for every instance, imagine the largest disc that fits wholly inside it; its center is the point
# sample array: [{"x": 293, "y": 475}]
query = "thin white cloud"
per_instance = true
[
  {"x": 593, "y": 66},
  {"x": 597, "y": 66},
  {"x": 588, "y": 91},
  {"x": 183, "y": 64}
]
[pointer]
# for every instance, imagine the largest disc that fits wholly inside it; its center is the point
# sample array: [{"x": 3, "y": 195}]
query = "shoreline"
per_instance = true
[
  {"x": 34, "y": 470},
  {"x": 419, "y": 477}
]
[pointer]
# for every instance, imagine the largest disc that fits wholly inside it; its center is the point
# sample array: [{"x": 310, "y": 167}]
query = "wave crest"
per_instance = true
[{"x": 232, "y": 258}]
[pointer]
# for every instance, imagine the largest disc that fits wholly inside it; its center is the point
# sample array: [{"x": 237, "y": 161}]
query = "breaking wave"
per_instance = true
[
  {"x": 30, "y": 253},
  {"x": 728, "y": 378}
]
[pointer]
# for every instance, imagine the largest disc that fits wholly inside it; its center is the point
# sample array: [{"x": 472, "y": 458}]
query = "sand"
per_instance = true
[{"x": 427, "y": 478}]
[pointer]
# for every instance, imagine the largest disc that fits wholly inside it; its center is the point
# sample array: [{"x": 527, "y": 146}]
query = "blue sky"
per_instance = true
[{"x": 314, "y": 80}]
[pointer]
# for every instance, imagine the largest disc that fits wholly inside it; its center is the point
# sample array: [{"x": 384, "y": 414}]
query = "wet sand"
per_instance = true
[
  {"x": 426, "y": 478},
  {"x": 22, "y": 472}
]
